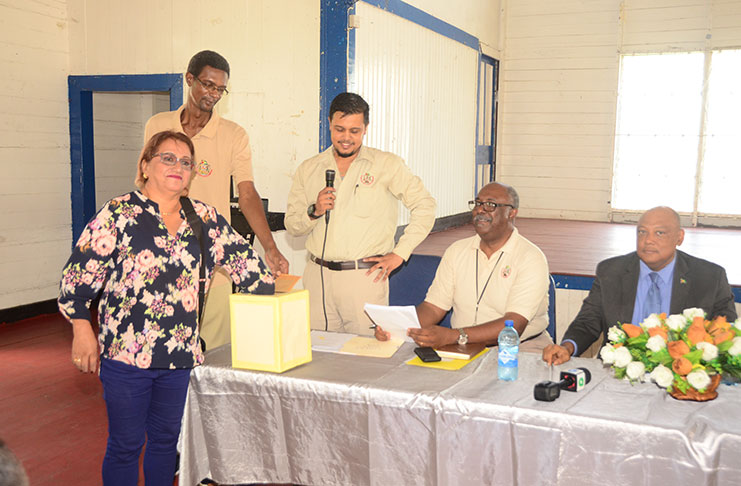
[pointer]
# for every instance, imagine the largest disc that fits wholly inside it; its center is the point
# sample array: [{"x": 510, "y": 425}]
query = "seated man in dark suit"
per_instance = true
[{"x": 655, "y": 278}]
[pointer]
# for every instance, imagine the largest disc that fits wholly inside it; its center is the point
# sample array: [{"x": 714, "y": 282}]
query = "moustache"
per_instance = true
[{"x": 480, "y": 218}]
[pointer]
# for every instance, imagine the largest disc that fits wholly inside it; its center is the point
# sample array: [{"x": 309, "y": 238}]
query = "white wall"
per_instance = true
[
  {"x": 274, "y": 55},
  {"x": 34, "y": 151},
  {"x": 118, "y": 124},
  {"x": 558, "y": 90},
  {"x": 480, "y": 18},
  {"x": 274, "y": 84}
]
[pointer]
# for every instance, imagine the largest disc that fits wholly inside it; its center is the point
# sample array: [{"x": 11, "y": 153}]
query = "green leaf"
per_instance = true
[
  {"x": 661, "y": 356},
  {"x": 694, "y": 356},
  {"x": 620, "y": 373},
  {"x": 725, "y": 346},
  {"x": 680, "y": 384}
]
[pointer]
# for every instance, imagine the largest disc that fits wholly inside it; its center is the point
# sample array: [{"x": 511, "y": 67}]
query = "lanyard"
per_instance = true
[{"x": 481, "y": 295}]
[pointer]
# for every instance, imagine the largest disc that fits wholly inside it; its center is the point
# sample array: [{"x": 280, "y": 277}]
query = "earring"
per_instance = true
[{"x": 145, "y": 177}]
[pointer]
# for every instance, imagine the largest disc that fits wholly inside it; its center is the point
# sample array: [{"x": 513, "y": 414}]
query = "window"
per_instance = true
[{"x": 678, "y": 132}]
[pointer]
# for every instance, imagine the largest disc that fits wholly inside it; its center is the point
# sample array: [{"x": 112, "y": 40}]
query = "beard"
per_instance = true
[{"x": 346, "y": 155}]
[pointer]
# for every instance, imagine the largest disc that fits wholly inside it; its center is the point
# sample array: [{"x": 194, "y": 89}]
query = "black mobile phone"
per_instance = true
[{"x": 427, "y": 354}]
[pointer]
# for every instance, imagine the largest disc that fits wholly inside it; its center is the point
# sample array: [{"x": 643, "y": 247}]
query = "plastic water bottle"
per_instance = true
[{"x": 509, "y": 347}]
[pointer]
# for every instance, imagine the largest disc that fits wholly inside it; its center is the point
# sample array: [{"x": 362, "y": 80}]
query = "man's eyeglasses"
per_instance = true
[
  {"x": 489, "y": 206},
  {"x": 211, "y": 87},
  {"x": 168, "y": 158}
]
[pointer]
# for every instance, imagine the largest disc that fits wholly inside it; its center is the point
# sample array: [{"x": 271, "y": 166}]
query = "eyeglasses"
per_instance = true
[
  {"x": 168, "y": 158},
  {"x": 489, "y": 206},
  {"x": 211, "y": 87}
]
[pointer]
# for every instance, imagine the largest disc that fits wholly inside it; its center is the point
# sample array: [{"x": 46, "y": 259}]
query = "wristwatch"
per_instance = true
[
  {"x": 311, "y": 210},
  {"x": 463, "y": 338}
]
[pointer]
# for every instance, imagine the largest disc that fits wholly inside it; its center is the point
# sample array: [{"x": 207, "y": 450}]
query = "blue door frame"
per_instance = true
[
  {"x": 82, "y": 146},
  {"x": 486, "y": 152}
]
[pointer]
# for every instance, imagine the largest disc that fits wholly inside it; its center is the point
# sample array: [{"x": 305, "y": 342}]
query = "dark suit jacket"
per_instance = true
[{"x": 697, "y": 283}]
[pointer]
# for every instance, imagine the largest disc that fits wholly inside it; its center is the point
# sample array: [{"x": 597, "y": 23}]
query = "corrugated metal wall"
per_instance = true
[{"x": 421, "y": 87}]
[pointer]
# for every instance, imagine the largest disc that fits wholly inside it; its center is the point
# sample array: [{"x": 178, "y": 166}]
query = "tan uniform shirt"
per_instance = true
[
  {"x": 366, "y": 212},
  {"x": 519, "y": 283},
  {"x": 222, "y": 151}
]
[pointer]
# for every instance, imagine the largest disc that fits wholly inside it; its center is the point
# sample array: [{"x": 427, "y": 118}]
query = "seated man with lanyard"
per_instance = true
[{"x": 493, "y": 276}]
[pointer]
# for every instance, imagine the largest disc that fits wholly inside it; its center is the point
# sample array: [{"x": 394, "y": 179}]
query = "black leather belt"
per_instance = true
[{"x": 337, "y": 266}]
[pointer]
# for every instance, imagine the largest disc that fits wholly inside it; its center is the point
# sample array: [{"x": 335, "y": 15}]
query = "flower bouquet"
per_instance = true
[{"x": 684, "y": 353}]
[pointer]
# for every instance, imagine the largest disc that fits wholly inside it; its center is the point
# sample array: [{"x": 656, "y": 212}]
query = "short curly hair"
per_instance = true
[{"x": 207, "y": 58}]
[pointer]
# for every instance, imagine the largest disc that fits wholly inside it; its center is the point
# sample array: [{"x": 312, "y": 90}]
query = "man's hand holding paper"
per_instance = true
[{"x": 394, "y": 319}]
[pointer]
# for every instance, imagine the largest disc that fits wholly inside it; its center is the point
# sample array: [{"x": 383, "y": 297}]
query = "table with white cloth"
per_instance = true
[{"x": 348, "y": 420}]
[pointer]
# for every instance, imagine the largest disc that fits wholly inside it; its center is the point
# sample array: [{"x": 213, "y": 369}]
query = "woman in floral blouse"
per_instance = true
[{"x": 141, "y": 248}]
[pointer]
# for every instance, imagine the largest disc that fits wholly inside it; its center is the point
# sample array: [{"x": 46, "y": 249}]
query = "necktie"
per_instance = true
[{"x": 652, "y": 305}]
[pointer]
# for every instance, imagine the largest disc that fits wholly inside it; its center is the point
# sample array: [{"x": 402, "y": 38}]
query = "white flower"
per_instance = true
[
  {"x": 693, "y": 312},
  {"x": 735, "y": 347},
  {"x": 615, "y": 334},
  {"x": 607, "y": 353},
  {"x": 656, "y": 343},
  {"x": 709, "y": 351},
  {"x": 737, "y": 323},
  {"x": 662, "y": 375},
  {"x": 676, "y": 322},
  {"x": 635, "y": 370},
  {"x": 699, "y": 379},
  {"x": 622, "y": 357},
  {"x": 651, "y": 321}
]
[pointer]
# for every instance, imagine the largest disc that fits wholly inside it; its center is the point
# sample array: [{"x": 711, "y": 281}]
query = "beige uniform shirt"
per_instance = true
[
  {"x": 222, "y": 151},
  {"x": 366, "y": 212},
  {"x": 519, "y": 283}
]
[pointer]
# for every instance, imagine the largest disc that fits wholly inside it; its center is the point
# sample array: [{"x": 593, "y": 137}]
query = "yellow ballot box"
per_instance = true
[{"x": 270, "y": 332}]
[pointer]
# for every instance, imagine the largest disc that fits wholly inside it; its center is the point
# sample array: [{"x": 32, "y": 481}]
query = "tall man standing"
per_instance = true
[
  {"x": 222, "y": 152},
  {"x": 360, "y": 251}
]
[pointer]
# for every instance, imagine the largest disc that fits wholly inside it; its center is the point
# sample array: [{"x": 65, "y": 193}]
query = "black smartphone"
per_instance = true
[{"x": 427, "y": 354}]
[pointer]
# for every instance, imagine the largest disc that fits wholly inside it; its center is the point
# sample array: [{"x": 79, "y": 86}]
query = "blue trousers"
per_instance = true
[{"x": 142, "y": 404}]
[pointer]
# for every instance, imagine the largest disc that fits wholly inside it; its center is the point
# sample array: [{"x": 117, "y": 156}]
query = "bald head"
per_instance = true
[
  {"x": 659, "y": 233},
  {"x": 664, "y": 213}
]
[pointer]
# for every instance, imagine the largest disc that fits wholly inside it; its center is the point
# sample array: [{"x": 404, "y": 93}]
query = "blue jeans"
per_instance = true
[{"x": 142, "y": 403}]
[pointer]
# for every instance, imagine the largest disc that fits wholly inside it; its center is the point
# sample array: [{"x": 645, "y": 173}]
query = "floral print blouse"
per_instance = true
[{"x": 148, "y": 309}]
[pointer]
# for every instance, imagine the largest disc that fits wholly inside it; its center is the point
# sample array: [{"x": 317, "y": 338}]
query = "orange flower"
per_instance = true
[
  {"x": 658, "y": 330},
  {"x": 718, "y": 325},
  {"x": 682, "y": 366},
  {"x": 722, "y": 337},
  {"x": 696, "y": 332},
  {"x": 677, "y": 349},
  {"x": 632, "y": 330}
]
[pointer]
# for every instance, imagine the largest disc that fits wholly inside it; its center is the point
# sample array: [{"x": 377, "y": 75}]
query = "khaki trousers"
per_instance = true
[
  {"x": 345, "y": 292},
  {"x": 216, "y": 324}
]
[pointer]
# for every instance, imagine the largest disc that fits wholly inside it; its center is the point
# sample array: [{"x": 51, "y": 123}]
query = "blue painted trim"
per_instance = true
[
  {"x": 736, "y": 293},
  {"x": 332, "y": 60},
  {"x": 573, "y": 282},
  {"x": 423, "y": 19},
  {"x": 82, "y": 149}
]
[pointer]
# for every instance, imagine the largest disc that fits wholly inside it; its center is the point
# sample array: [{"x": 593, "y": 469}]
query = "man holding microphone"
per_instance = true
[{"x": 352, "y": 251}]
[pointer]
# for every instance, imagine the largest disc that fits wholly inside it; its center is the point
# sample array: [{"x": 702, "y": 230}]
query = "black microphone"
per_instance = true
[
  {"x": 329, "y": 178},
  {"x": 571, "y": 380}
]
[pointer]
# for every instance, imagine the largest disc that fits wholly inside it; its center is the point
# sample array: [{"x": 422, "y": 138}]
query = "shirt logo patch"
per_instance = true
[
  {"x": 506, "y": 271},
  {"x": 367, "y": 179},
  {"x": 204, "y": 169}
]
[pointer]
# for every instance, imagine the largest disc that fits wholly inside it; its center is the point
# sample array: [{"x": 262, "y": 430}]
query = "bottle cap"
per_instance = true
[{"x": 509, "y": 323}]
